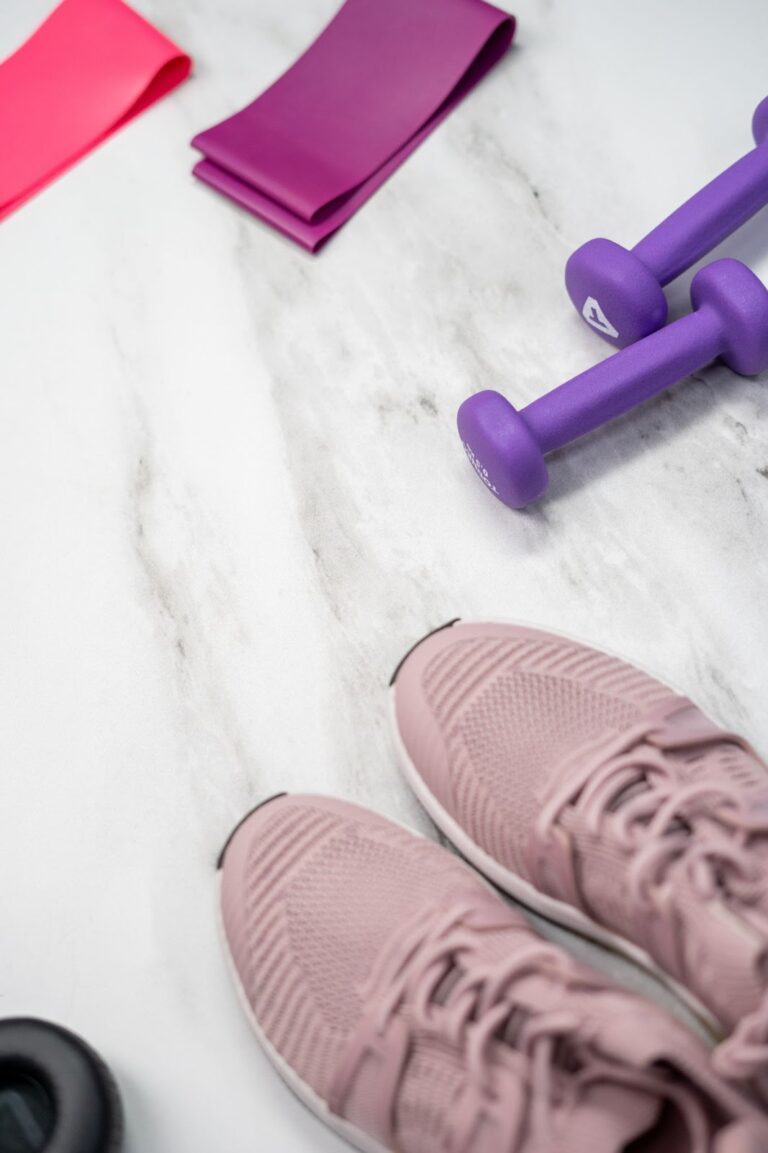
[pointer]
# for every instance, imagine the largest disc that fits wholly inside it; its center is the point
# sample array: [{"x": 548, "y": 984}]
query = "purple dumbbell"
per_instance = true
[
  {"x": 620, "y": 293},
  {"x": 507, "y": 447}
]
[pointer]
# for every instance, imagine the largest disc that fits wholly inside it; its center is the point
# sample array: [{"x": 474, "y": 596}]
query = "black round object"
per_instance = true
[{"x": 56, "y": 1094}]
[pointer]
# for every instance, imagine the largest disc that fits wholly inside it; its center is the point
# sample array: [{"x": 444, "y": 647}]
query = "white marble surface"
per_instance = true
[{"x": 233, "y": 494}]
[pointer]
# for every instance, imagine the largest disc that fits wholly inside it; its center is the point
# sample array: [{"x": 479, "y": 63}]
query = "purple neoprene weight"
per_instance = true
[
  {"x": 507, "y": 447},
  {"x": 619, "y": 292}
]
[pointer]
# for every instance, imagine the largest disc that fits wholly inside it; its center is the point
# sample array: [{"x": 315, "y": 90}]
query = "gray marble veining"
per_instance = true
[{"x": 234, "y": 494}]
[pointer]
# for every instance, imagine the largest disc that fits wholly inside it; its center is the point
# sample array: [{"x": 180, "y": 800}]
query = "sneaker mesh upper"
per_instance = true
[
  {"x": 508, "y": 711},
  {"x": 315, "y": 896}
]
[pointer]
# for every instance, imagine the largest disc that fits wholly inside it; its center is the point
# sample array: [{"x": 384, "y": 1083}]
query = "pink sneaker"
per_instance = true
[
  {"x": 412, "y": 1009},
  {"x": 602, "y": 799}
]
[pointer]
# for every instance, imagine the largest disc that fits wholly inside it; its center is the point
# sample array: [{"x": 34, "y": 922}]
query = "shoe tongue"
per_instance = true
[
  {"x": 605, "y": 1117},
  {"x": 433, "y": 1080},
  {"x": 742, "y": 1137},
  {"x": 608, "y": 1118}
]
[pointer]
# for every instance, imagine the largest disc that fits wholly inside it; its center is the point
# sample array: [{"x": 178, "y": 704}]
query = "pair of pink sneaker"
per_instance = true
[{"x": 413, "y": 1009}]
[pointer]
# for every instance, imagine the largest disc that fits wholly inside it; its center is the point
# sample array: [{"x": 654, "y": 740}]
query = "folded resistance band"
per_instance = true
[
  {"x": 313, "y": 147},
  {"x": 87, "y": 70}
]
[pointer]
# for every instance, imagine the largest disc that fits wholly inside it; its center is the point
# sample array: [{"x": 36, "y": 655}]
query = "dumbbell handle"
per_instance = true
[
  {"x": 702, "y": 222},
  {"x": 624, "y": 380}
]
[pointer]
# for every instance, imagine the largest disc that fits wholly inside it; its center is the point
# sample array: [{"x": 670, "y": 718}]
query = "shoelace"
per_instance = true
[
  {"x": 659, "y": 820},
  {"x": 704, "y": 828},
  {"x": 434, "y": 977},
  {"x": 744, "y": 1055}
]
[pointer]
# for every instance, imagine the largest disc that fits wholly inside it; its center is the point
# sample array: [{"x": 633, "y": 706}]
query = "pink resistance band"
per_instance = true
[
  {"x": 310, "y": 150},
  {"x": 91, "y": 67}
]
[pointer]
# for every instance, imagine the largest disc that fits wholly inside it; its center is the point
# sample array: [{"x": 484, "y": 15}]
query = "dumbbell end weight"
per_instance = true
[
  {"x": 760, "y": 122},
  {"x": 502, "y": 449},
  {"x": 614, "y": 292},
  {"x": 739, "y": 300}
]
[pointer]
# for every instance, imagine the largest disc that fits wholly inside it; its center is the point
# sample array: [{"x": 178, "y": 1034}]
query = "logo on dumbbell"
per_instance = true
[
  {"x": 594, "y": 315},
  {"x": 480, "y": 469}
]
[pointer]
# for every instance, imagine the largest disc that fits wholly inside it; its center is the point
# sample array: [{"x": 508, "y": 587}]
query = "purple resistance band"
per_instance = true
[{"x": 310, "y": 150}]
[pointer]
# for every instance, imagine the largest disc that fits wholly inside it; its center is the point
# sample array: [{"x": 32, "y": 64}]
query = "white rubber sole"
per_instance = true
[
  {"x": 523, "y": 891},
  {"x": 305, "y": 1093}
]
